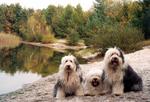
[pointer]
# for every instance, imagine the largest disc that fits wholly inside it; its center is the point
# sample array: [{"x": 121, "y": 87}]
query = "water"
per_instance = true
[
  {"x": 11, "y": 83},
  {"x": 26, "y": 64}
]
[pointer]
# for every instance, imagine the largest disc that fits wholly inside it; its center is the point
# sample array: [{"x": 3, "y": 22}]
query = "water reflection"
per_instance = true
[
  {"x": 43, "y": 61},
  {"x": 26, "y": 64}
]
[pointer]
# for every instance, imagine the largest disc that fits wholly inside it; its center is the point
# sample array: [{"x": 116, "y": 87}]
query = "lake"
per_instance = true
[{"x": 26, "y": 64}]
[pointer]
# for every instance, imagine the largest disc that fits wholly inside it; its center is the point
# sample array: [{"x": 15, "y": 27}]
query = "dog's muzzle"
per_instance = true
[
  {"x": 95, "y": 82},
  {"x": 115, "y": 61},
  {"x": 68, "y": 68}
]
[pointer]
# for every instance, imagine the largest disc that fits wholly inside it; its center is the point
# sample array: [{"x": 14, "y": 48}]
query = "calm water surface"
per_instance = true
[{"x": 26, "y": 64}]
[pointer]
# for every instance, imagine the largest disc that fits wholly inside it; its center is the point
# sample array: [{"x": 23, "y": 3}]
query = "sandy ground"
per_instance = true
[{"x": 41, "y": 90}]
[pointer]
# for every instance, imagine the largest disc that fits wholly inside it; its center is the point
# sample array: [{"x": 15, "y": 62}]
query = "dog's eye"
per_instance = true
[
  {"x": 66, "y": 61},
  {"x": 71, "y": 61},
  {"x": 114, "y": 54}
]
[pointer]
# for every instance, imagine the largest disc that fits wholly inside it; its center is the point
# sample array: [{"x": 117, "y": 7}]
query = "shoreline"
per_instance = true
[
  {"x": 41, "y": 90},
  {"x": 58, "y": 46}
]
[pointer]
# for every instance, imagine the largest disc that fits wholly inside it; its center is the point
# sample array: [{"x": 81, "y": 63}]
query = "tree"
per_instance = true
[
  {"x": 73, "y": 37},
  {"x": 49, "y": 13},
  {"x": 20, "y": 20},
  {"x": 80, "y": 20},
  {"x": 53, "y": 15},
  {"x": 107, "y": 26},
  {"x": 38, "y": 30},
  {"x": 2, "y": 17},
  {"x": 146, "y": 18},
  {"x": 64, "y": 22}
]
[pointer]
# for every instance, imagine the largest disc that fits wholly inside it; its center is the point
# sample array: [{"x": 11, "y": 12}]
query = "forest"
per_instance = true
[{"x": 107, "y": 23}]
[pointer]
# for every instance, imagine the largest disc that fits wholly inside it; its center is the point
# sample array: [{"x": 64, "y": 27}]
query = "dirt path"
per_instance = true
[{"x": 41, "y": 90}]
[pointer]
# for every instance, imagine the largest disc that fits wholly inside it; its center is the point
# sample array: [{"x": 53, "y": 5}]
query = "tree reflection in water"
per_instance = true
[
  {"x": 25, "y": 58},
  {"x": 43, "y": 61}
]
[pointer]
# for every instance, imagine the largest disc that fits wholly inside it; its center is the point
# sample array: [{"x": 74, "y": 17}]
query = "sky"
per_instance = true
[{"x": 40, "y": 4}]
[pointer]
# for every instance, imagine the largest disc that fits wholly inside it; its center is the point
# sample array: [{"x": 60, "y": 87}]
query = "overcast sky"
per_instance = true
[{"x": 40, "y": 4}]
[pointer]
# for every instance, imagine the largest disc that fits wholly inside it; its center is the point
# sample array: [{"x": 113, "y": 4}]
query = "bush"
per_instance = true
[
  {"x": 47, "y": 38},
  {"x": 143, "y": 44},
  {"x": 73, "y": 37},
  {"x": 110, "y": 36}
]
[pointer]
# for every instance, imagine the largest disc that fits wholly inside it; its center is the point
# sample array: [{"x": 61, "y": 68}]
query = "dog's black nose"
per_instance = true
[
  {"x": 114, "y": 59},
  {"x": 95, "y": 79},
  {"x": 68, "y": 67},
  {"x": 95, "y": 82}
]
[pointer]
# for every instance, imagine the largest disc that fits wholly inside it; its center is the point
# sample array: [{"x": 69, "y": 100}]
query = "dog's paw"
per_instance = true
[
  {"x": 88, "y": 94},
  {"x": 117, "y": 93}
]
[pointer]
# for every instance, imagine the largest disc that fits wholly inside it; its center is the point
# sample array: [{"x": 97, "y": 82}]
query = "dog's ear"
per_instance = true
[
  {"x": 61, "y": 63},
  {"x": 121, "y": 54},
  {"x": 103, "y": 51},
  {"x": 103, "y": 76},
  {"x": 77, "y": 64},
  {"x": 62, "y": 60}
]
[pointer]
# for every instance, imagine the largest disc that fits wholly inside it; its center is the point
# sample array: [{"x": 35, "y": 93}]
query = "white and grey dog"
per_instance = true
[
  {"x": 118, "y": 74},
  {"x": 94, "y": 83},
  {"x": 69, "y": 79}
]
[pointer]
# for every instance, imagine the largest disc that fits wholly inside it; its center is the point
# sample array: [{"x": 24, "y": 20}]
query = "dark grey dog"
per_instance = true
[{"x": 119, "y": 74}]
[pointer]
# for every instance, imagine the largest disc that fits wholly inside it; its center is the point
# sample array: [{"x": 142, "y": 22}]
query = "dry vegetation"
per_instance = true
[{"x": 9, "y": 40}]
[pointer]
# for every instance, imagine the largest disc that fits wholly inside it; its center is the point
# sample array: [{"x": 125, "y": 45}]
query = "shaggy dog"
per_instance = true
[
  {"x": 118, "y": 74},
  {"x": 94, "y": 83},
  {"x": 69, "y": 79}
]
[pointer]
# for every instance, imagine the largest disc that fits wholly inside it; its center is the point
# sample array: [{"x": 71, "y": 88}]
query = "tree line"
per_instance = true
[{"x": 107, "y": 24}]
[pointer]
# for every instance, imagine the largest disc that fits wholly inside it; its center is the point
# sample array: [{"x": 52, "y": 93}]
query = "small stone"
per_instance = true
[{"x": 13, "y": 97}]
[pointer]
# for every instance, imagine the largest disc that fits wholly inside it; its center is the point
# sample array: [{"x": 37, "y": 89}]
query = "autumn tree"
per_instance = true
[{"x": 38, "y": 30}]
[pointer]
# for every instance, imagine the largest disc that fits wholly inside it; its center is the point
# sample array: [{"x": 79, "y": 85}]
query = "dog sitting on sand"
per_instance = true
[
  {"x": 119, "y": 75},
  {"x": 94, "y": 83},
  {"x": 69, "y": 78}
]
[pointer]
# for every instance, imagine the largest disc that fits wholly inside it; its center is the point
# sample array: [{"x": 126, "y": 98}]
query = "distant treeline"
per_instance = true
[{"x": 107, "y": 24}]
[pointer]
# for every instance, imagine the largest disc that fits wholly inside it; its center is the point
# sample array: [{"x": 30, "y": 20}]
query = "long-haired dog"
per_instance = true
[
  {"x": 69, "y": 79},
  {"x": 118, "y": 74},
  {"x": 94, "y": 83}
]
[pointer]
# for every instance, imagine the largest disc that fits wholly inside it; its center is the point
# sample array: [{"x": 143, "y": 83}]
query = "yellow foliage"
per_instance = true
[
  {"x": 38, "y": 29},
  {"x": 9, "y": 40}
]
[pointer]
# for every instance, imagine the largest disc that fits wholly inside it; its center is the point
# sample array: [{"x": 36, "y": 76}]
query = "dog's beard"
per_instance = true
[
  {"x": 67, "y": 76},
  {"x": 114, "y": 64},
  {"x": 68, "y": 71}
]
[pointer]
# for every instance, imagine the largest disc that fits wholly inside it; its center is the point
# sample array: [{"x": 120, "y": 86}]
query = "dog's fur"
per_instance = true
[
  {"x": 69, "y": 79},
  {"x": 131, "y": 80},
  {"x": 118, "y": 74},
  {"x": 94, "y": 83}
]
